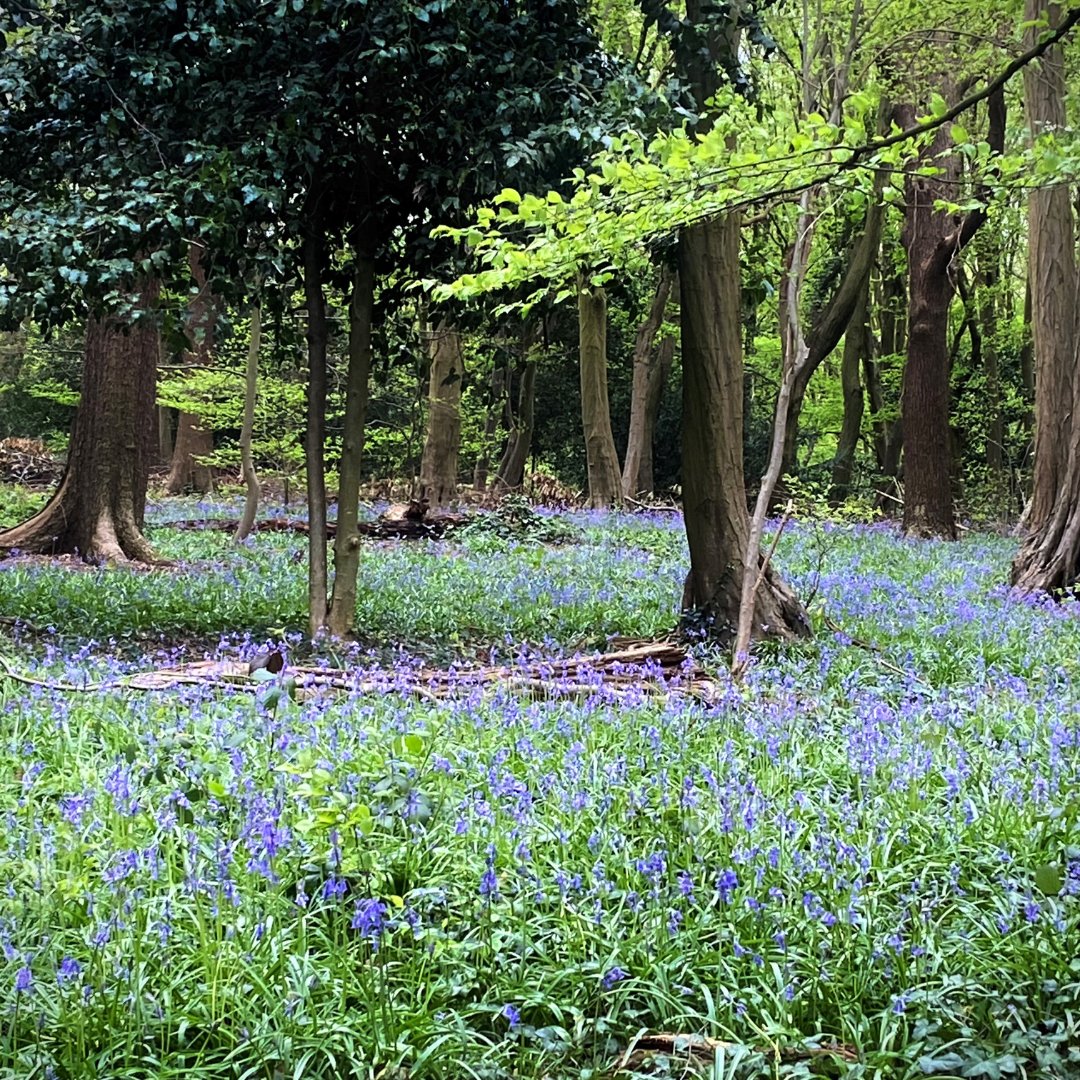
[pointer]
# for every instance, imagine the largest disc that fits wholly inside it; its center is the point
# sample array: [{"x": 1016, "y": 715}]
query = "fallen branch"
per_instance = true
[{"x": 705, "y": 1049}]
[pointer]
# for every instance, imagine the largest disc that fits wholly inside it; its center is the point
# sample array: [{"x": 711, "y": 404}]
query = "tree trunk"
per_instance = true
[
  {"x": 315, "y": 441},
  {"x": 497, "y": 391},
  {"x": 1052, "y": 276},
  {"x": 605, "y": 488},
  {"x": 342, "y": 616},
  {"x": 646, "y": 363},
  {"x": 855, "y": 351},
  {"x": 247, "y": 461},
  {"x": 1050, "y": 556},
  {"x": 714, "y": 492},
  {"x": 187, "y": 473},
  {"x": 193, "y": 440},
  {"x": 658, "y": 375},
  {"x": 97, "y": 510},
  {"x": 510, "y": 475},
  {"x": 831, "y": 320},
  {"x": 165, "y": 435},
  {"x": 439, "y": 462},
  {"x": 932, "y": 239}
]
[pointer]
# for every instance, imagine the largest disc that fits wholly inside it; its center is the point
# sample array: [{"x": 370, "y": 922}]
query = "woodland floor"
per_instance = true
[{"x": 865, "y": 860}]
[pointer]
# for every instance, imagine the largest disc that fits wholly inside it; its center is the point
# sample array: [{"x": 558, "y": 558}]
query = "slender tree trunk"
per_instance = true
[
  {"x": 165, "y": 435},
  {"x": 439, "y": 462},
  {"x": 856, "y": 351},
  {"x": 646, "y": 363},
  {"x": 1052, "y": 277},
  {"x": 933, "y": 239},
  {"x": 315, "y": 442},
  {"x": 247, "y": 431},
  {"x": 342, "y": 613},
  {"x": 658, "y": 375},
  {"x": 193, "y": 439},
  {"x": 986, "y": 315},
  {"x": 97, "y": 510},
  {"x": 497, "y": 391},
  {"x": 605, "y": 488},
  {"x": 510, "y": 475},
  {"x": 714, "y": 492}
]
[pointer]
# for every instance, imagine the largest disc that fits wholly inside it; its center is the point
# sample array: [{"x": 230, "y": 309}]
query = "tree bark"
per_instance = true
[
  {"x": 714, "y": 492},
  {"x": 97, "y": 509},
  {"x": 646, "y": 364},
  {"x": 602, "y": 460},
  {"x": 510, "y": 475},
  {"x": 439, "y": 462},
  {"x": 247, "y": 461},
  {"x": 342, "y": 615},
  {"x": 932, "y": 239},
  {"x": 497, "y": 391},
  {"x": 1052, "y": 276},
  {"x": 165, "y": 434},
  {"x": 193, "y": 440},
  {"x": 658, "y": 376},
  {"x": 315, "y": 440},
  {"x": 856, "y": 351},
  {"x": 1050, "y": 556},
  {"x": 186, "y": 472}
]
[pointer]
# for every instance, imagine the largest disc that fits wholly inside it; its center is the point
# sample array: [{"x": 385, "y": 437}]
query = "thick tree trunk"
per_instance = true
[
  {"x": 714, "y": 493},
  {"x": 602, "y": 461},
  {"x": 247, "y": 431},
  {"x": 315, "y": 441},
  {"x": 932, "y": 239},
  {"x": 342, "y": 613},
  {"x": 1050, "y": 557},
  {"x": 1052, "y": 276},
  {"x": 646, "y": 364},
  {"x": 97, "y": 510},
  {"x": 855, "y": 352},
  {"x": 193, "y": 439},
  {"x": 439, "y": 462},
  {"x": 510, "y": 475}
]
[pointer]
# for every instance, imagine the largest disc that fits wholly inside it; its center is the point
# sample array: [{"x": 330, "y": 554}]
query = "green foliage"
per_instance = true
[
  {"x": 515, "y": 519},
  {"x": 18, "y": 503}
]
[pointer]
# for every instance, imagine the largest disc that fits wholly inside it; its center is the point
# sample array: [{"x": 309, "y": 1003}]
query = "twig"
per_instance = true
[{"x": 869, "y": 646}]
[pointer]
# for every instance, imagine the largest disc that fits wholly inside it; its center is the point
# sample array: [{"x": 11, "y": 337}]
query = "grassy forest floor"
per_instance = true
[{"x": 873, "y": 849}]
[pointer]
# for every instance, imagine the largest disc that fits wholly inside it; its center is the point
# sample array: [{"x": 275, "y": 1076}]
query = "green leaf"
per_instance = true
[{"x": 1049, "y": 879}]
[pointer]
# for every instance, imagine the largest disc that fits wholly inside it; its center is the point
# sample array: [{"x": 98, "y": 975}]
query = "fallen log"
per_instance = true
[{"x": 431, "y": 526}]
